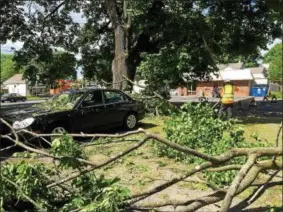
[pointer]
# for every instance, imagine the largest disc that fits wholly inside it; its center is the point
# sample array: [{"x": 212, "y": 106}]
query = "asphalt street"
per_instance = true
[{"x": 6, "y": 104}]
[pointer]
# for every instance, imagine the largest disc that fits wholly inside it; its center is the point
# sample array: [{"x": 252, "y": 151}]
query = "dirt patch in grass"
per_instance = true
[{"x": 143, "y": 170}]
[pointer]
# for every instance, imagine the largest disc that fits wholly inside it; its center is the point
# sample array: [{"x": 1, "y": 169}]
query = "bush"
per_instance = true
[
  {"x": 277, "y": 94},
  {"x": 196, "y": 127}
]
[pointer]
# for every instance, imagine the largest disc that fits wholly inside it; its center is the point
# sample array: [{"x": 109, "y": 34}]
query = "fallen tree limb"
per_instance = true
[
  {"x": 226, "y": 168},
  {"x": 92, "y": 168},
  {"x": 23, "y": 193},
  {"x": 256, "y": 194},
  {"x": 236, "y": 183}
]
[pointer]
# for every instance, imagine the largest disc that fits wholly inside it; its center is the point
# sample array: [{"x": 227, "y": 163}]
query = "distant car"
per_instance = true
[
  {"x": 87, "y": 111},
  {"x": 12, "y": 97}
]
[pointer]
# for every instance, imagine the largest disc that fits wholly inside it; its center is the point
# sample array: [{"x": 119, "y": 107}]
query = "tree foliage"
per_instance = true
[
  {"x": 196, "y": 127},
  {"x": 28, "y": 183},
  {"x": 274, "y": 58},
  {"x": 274, "y": 53},
  {"x": 194, "y": 33},
  {"x": 7, "y": 67},
  {"x": 58, "y": 65}
]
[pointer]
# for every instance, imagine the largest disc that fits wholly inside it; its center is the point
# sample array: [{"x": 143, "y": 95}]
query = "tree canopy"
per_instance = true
[
  {"x": 7, "y": 67},
  {"x": 274, "y": 58},
  {"x": 59, "y": 65},
  {"x": 274, "y": 53},
  {"x": 165, "y": 38}
]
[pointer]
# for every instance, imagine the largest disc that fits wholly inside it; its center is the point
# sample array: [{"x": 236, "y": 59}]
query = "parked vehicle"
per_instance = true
[
  {"x": 12, "y": 97},
  {"x": 88, "y": 110}
]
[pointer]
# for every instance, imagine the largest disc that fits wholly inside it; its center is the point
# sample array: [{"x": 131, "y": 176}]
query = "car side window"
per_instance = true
[
  {"x": 113, "y": 97},
  {"x": 92, "y": 99}
]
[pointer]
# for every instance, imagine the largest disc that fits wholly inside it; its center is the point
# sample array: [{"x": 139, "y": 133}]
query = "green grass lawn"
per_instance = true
[
  {"x": 267, "y": 128},
  {"x": 33, "y": 98}
]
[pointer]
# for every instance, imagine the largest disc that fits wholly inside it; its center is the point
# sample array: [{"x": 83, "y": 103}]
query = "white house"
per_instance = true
[
  {"x": 260, "y": 76},
  {"x": 16, "y": 84}
]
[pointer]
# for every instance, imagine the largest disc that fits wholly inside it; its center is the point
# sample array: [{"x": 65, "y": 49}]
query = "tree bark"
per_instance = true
[
  {"x": 120, "y": 64},
  {"x": 121, "y": 26}
]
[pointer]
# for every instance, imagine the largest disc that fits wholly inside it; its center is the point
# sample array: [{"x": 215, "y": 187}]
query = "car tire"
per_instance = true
[{"x": 130, "y": 121}]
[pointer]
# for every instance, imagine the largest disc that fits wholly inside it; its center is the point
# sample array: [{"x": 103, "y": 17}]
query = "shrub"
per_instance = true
[{"x": 277, "y": 94}]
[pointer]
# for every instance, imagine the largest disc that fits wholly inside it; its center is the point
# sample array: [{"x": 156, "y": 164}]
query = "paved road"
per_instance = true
[
  {"x": 18, "y": 105},
  {"x": 179, "y": 99},
  {"x": 21, "y": 103}
]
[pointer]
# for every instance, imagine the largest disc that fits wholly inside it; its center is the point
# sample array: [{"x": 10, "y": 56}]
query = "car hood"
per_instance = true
[{"x": 20, "y": 114}]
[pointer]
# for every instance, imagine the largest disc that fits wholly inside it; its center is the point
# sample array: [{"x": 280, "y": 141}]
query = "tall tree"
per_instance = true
[
  {"x": 7, "y": 67},
  {"x": 194, "y": 32},
  {"x": 60, "y": 65},
  {"x": 274, "y": 53},
  {"x": 274, "y": 57}
]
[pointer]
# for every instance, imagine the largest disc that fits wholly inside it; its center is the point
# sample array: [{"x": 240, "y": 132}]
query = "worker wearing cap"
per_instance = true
[{"x": 227, "y": 98}]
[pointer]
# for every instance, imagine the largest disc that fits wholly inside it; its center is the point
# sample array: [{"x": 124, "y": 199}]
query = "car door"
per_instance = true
[
  {"x": 89, "y": 116},
  {"x": 18, "y": 97},
  {"x": 116, "y": 106},
  {"x": 12, "y": 97}
]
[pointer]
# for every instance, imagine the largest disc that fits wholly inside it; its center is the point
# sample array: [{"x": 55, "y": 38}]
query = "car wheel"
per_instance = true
[
  {"x": 130, "y": 121},
  {"x": 57, "y": 130}
]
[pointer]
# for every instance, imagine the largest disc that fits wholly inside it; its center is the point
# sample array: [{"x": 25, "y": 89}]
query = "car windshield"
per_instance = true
[
  {"x": 63, "y": 101},
  {"x": 5, "y": 95}
]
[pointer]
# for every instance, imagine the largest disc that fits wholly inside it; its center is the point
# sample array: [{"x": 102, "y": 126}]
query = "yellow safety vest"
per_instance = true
[{"x": 228, "y": 94}]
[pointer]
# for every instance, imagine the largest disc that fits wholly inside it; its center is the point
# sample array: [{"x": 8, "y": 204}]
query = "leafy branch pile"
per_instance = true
[
  {"x": 26, "y": 185},
  {"x": 154, "y": 105},
  {"x": 61, "y": 103},
  {"x": 71, "y": 182},
  {"x": 196, "y": 127}
]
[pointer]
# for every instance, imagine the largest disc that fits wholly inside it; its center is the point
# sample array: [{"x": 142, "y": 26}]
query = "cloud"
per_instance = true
[
  {"x": 9, "y": 47},
  {"x": 78, "y": 18}
]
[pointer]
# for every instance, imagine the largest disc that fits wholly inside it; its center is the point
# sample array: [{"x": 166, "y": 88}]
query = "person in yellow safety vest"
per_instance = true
[{"x": 227, "y": 99}]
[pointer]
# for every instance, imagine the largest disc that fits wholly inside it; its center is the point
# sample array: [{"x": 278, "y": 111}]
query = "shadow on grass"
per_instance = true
[
  {"x": 147, "y": 126},
  {"x": 7, "y": 150},
  {"x": 260, "y": 120},
  {"x": 244, "y": 203}
]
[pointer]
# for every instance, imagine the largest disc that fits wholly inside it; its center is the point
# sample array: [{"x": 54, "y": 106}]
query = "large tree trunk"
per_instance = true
[
  {"x": 121, "y": 24},
  {"x": 120, "y": 64}
]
